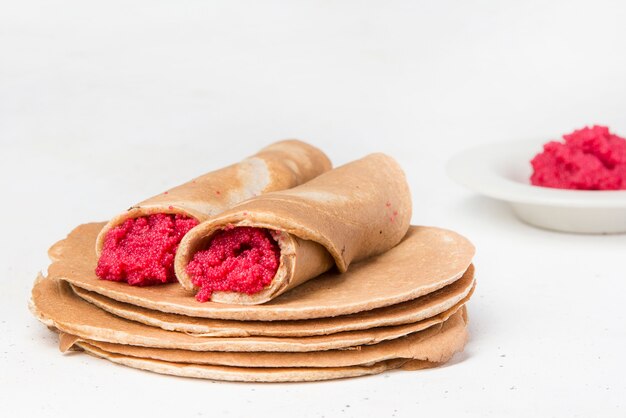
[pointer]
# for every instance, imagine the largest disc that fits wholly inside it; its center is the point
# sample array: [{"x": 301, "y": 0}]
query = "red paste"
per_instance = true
[
  {"x": 242, "y": 259},
  {"x": 141, "y": 251},
  {"x": 590, "y": 159}
]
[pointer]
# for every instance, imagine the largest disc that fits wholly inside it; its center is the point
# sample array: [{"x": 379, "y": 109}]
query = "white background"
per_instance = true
[{"x": 105, "y": 103}]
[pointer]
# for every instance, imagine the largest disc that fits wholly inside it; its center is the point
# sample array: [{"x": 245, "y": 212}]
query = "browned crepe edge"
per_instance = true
[
  {"x": 436, "y": 344},
  {"x": 356, "y": 211},
  {"x": 56, "y": 305},
  {"x": 406, "y": 312},
  {"x": 243, "y": 374}
]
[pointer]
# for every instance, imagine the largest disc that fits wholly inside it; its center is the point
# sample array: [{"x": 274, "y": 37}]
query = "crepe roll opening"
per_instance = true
[
  {"x": 141, "y": 250},
  {"x": 235, "y": 259}
]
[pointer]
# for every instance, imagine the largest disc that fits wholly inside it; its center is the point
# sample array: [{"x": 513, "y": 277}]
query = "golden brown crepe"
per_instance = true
[
  {"x": 254, "y": 374},
  {"x": 345, "y": 215},
  {"x": 282, "y": 165},
  {"x": 436, "y": 344},
  {"x": 403, "y": 313},
  {"x": 54, "y": 304},
  {"x": 399, "y": 305},
  {"x": 426, "y": 260}
]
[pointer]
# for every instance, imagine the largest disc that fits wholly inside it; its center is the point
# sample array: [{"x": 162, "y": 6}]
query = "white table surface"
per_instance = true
[{"x": 105, "y": 103}]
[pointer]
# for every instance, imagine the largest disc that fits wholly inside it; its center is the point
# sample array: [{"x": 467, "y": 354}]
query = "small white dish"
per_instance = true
[{"x": 502, "y": 171}]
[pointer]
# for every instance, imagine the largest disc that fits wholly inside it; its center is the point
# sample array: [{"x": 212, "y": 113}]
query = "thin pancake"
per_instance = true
[
  {"x": 403, "y": 313},
  {"x": 54, "y": 303},
  {"x": 249, "y": 374},
  {"x": 426, "y": 260},
  {"x": 346, "y": 213},
  {"x": 436, "y": 344},
  {"x": 281, "y": 165}
]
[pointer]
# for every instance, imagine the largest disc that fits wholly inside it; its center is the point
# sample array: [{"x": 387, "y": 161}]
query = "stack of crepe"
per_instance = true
[{"x": 358, "y": 291}]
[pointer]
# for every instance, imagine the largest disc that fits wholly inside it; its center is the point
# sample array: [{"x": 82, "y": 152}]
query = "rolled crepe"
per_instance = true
[
  {"x": 345, "y": 215},
  {"x": 282, "y": 165}
]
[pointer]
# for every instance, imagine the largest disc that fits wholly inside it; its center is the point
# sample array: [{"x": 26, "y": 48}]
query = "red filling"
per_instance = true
[
  {"x": 241, "y": 260},
  {"x": 590, "y": 159},
  {"x": 141, "y": 251}
]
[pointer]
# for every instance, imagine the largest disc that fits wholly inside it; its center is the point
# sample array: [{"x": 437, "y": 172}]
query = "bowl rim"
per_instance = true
[{"x": 474, "y": 168}]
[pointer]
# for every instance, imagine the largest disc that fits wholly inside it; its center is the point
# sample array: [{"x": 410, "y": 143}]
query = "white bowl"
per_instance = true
[{"x": 502, "y": 171}]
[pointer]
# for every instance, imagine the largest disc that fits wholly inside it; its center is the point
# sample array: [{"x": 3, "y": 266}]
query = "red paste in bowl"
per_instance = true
[
  {"x": 141, "y": 251},
  {"x": 589, "y": 159},
  {"x": 242, "y": 259}
]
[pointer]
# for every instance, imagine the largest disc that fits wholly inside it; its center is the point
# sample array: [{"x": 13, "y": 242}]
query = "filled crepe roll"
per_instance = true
[
  {"x": 272, "y": 243},
  {"x": 138, "y": 246}
]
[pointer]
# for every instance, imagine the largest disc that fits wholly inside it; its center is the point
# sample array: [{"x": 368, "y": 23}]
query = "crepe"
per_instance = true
[
  {"x": 402, "y": 313},
  {"x": 282, "y": 165},
  {"x": 54, "y": 304},
  {"x": 426, "y": 260},
  {"x": 436, "y": 344},
  {"x": 345, "y": 215},
  {"x": 249, "y": 374}
]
